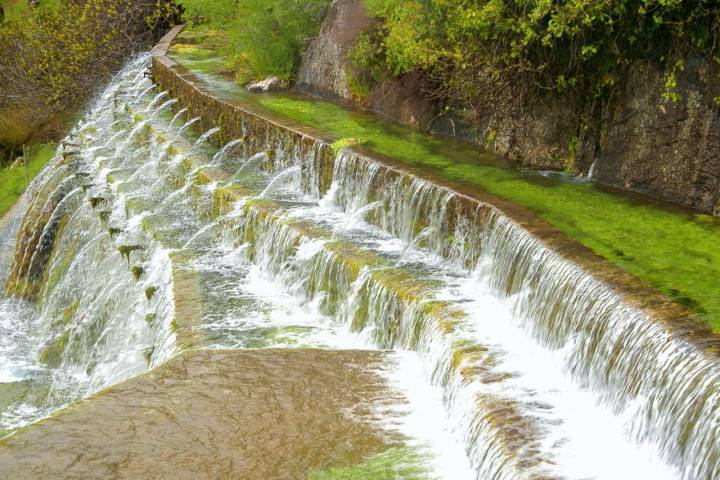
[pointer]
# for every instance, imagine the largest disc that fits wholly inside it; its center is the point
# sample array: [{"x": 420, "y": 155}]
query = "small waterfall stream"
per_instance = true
[{"x": 141, "y": 239}]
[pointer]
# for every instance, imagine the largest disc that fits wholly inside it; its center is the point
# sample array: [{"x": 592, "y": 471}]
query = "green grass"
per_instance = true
[
  {"x": 673, "y": 250},
  {"x": 12, "y": 180},
  {"x": 391, "y": 464}
]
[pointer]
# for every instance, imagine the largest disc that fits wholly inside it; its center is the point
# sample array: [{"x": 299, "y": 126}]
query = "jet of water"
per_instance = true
[
  {"x": 279, "y": 179},
  {"x": 205, "y": 136},
  {"x": 162, "y": 107},
  {"x": 222, "y": 153},
  {"x": 424, "y": 234},
  {"x": 177, "y": 115},
  {"x": 186, "y": 125},
  {"x": 155, "y": 100},
  {"x": 250, "y": 163}
]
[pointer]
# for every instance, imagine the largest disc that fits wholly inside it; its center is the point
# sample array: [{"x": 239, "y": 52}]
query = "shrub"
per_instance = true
[
  {"x": 53, "y": 58},
  {"x": 578, "y": 46},
  {"x": 264, "y": 38}
]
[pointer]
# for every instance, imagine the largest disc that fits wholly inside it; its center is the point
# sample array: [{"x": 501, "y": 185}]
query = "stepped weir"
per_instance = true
[{"x": 441, "y": 332}]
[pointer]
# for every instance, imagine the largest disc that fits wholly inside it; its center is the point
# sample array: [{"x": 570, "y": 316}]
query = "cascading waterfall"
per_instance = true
[
  {"x": 544, "y": 371},
  {"x": 561, "y": 313},
  {"x": 667, "y": 388},
  {"x": 72, "y": 260}
]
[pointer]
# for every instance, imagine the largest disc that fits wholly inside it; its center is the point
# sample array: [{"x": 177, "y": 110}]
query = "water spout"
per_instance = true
[
  {"x": 223, "y": 152},
  {"x": 198, "y": 235},
  {"x": 185, "y": 126},
  {"x": 280, "y": 179},
  {"x": 164, "y": 106},
  {"x": 424, "y": 234},
  {"x": 177, "y": 115},
  {"x": 591, "y": 172},
  {"x": 205, "y": 136},
  {"x": 155, "y": 100},
  {"x": 251, "y": 163},
  {"x": 146, "y": 91}
]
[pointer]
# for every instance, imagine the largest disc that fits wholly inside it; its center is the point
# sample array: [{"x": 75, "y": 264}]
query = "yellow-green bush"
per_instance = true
[{"x": 53, "y": 58}]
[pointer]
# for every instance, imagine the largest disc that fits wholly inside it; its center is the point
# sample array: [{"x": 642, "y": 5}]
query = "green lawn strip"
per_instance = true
[
  {"x": 391, "y": 464},
  {"x": 675, "y": 251},
  {"x": 12, "y": 180}
]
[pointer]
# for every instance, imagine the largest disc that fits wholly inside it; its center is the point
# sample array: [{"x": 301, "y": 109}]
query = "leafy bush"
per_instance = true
[
  {"x": 220, "y": 12},
  {"x": 581, "y": 46},
  {"x": 264, "y": 38},
  {"x": 53, "y": 58}
]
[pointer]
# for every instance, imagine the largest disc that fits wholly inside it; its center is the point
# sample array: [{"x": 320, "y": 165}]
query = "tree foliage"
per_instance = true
[
  {"x": 264, "y": 38},
  {"x": 581, "y": 46},
  {"x": 52, "y": 59}
]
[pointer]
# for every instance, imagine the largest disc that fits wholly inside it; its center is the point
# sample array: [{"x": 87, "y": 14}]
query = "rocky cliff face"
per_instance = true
[
  {"x": 635, "y": 142},
  {"x": 325, "y": 70},
  {"x": 668, "y": 151},
  {"x": 324, "y": 67}
]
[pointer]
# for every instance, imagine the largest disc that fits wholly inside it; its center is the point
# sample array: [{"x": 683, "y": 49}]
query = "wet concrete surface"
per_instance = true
[{"x": 253, "y": 414}]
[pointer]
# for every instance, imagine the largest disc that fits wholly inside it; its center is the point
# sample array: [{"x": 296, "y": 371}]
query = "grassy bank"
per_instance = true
[
  {"x": 673, "y": 250},
  {"x": 12, "y": 180}
]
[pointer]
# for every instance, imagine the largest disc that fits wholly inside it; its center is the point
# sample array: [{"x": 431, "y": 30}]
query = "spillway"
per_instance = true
[{"x": 147, "y": 237}]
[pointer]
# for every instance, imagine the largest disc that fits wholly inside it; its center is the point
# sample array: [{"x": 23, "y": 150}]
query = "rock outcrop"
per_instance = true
[
  {"x": 325, "y": 71},
  {"x": 665, "y": 150},
  {"x": 637, "y": 141}
]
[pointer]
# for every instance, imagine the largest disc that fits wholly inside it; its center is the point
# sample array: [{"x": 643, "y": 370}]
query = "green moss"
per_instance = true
[
  {"x": 391, "y": 464},
  {"x": 352, "y": 256},
  {"x": 225, "y": 197},
  {"x": 126, "y": 250},
  {"x": 69, "y": 312},
  {"x": 97, "y": 201},
  {"x": 262, "y": 204},
  {"x": 137, "y": 272},
  {"x": 104, "y": 216},
  {"x": 51, "y": 355},
  {"x": 148, "y": 353},
  {"x": 673, "y": 250},
  {"x": 405, "y": 285},
  {"x": 274, "y": 336},
  {"x": 150, "y": 292},
  {"x": 12, "y": 180},
  {"x": 343, "y": 143}
]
